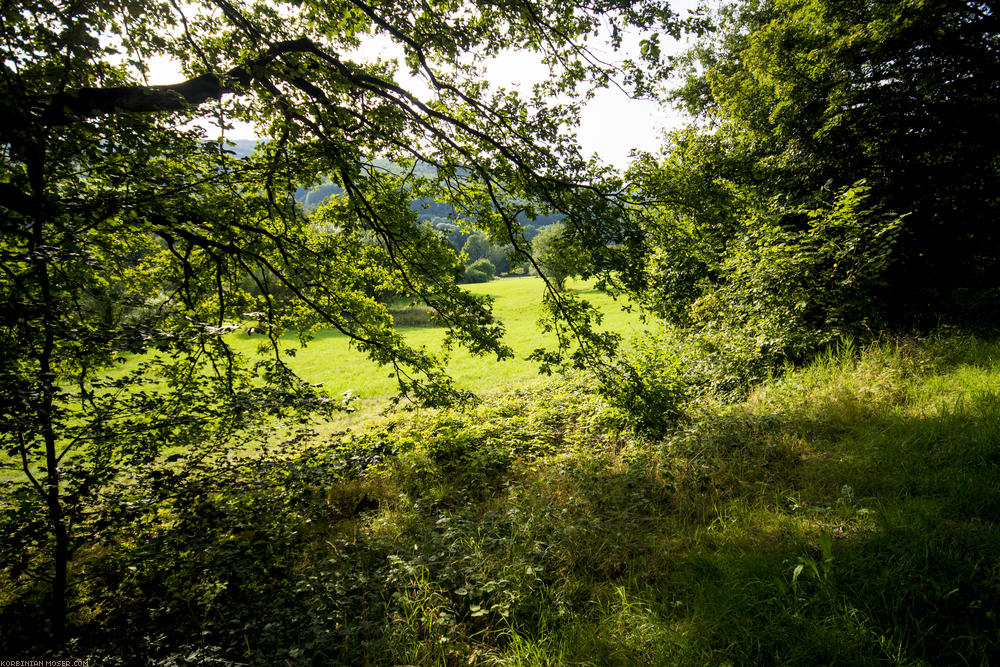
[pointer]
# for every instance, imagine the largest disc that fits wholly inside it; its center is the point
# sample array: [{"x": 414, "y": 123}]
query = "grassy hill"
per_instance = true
[{"x": 845, "y": 513}]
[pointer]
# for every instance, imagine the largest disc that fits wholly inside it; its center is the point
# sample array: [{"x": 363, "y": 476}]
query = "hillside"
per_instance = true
[{"x": 436, "y": 214}]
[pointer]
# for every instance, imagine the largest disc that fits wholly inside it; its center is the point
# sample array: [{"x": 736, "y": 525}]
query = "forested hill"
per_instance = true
[{"x": 438, "y": 215}]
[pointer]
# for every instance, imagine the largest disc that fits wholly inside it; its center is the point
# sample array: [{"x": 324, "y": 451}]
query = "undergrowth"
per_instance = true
[{"x": 844, "y": 513}]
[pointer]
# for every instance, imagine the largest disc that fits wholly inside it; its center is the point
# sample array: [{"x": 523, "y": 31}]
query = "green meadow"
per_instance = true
[{"x": 331, "y": 360}]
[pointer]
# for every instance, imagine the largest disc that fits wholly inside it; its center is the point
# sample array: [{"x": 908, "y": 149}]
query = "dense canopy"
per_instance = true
[
  {"x": 805, "y": 97},
  {"x": 129, "y": 226}
]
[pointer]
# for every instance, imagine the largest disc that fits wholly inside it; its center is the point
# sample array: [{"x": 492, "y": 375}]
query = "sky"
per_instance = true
[{"x": 612, "y": 124}]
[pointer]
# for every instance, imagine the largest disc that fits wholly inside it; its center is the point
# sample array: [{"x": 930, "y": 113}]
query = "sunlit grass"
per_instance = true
[
  {"x": 844, "y": 513},
  {"x": 331, "y": 360}
]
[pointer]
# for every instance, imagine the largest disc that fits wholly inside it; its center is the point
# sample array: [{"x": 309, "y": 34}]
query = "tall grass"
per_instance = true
[{"x": 845, "y": 513}]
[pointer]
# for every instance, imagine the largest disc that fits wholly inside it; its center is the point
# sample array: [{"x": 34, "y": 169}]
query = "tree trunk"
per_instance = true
[{"x": 47, "y": 390}]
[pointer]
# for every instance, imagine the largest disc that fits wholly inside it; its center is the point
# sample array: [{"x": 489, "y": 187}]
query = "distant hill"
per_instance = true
[
  {"x": 432, "y": 212},
  {"x": 242, "y": 147}
]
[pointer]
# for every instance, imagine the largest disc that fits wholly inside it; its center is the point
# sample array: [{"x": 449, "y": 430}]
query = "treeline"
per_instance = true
[
  {"x": 840, "y": 180},
  {"x": 481, "y": 258}
]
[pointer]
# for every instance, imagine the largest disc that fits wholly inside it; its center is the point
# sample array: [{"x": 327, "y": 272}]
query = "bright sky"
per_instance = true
[{"x": 612, "y": 124}]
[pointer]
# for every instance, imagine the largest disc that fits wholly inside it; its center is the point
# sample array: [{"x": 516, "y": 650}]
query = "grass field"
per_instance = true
[
  {"x": 330, "y": 359},
  {"x": 844, "y": 514}
]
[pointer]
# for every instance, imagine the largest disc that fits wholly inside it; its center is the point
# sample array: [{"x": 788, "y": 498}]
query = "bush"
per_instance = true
[
  {"x": 271, "y": 558},
  {"x": 414, "y": 316},
  {"x": 557, "y": 255},
  {"x": 480, "y": 271},
  {"x": 647, "y": 389},
  {"x": 774, "y": 285}
]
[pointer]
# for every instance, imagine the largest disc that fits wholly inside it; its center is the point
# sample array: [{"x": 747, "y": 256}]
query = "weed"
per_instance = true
[{"x": 844, "y": 513}]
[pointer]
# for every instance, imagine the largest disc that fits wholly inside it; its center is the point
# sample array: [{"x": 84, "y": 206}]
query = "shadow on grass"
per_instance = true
[
  {"x": 878, "y": 545},
  {"x": 819, "y": 523},
  {"x": 799, "y": 537}
]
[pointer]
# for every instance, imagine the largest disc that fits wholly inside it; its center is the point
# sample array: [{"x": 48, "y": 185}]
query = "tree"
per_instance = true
[
  {"x": 476, "y": 247},
  {"x": 558, "y": 256},
  {"x": 833, "y": 184},
  {"x": 500, "y": 259},
  {"x": 803, "y": 98},
  {"x": 129, "y": 232},
  {"x": 480, "y": 271}
]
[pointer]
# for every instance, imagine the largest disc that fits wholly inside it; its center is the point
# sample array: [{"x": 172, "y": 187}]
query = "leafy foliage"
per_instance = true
[
  {"x": 830, "y": 187},
  {"x": 128, "y": 231},
  {"x": 480, "y": 271},
  {"x": 650, "y": 385},
  {"x": 557, "y": 255},
  {"x": 844, "y": 512},
  {"x": 812, "y": 96},
  {"x": 476, "y": 247}
]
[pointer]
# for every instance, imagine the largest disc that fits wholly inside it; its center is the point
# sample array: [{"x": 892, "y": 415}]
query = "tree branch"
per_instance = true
[{"x": 90, "y": 102}]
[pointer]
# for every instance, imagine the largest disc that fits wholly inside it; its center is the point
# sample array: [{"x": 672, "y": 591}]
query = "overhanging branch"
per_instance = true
[{"x": 90, "y": 102}]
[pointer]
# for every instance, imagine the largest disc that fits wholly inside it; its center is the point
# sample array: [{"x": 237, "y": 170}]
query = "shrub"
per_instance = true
[
  {"x": 647, "y": 388},
  {"x": 772, "y": 286},
  {"x": 480, "y": 271}
]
